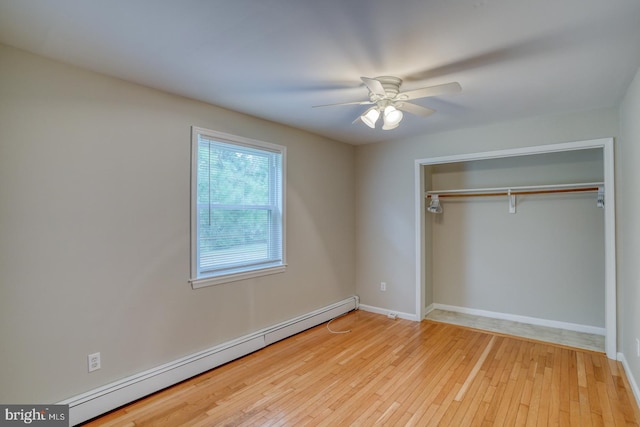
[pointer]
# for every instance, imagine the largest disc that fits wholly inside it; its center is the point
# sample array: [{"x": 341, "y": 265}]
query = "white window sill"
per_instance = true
[{"x": 218, "y": 280}]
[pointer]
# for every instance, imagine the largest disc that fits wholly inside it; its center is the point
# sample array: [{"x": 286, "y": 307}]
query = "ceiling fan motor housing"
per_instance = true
[{"x": 391, "y": 87}]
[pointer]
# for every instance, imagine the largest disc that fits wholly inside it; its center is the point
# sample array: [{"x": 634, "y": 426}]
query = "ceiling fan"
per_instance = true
[{"x": 389, "y": 103}]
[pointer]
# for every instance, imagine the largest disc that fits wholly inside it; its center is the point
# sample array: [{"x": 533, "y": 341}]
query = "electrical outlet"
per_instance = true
[
  {"x": 383, "y": 286},
  {"x": 392, "y": 315},
  {"x": 93, "y": 361}
]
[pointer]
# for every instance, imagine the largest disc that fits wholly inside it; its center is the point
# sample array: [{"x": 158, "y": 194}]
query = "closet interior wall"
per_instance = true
[{"x": 546, "y": 261}]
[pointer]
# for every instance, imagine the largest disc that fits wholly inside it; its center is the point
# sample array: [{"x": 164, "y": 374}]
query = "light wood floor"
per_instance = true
[{"x": 396, "y": 373}]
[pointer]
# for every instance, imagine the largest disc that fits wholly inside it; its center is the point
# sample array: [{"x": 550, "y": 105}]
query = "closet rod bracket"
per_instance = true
[
  {"x": 512, "y": 202},
  {"x": 600, "y": 199}
]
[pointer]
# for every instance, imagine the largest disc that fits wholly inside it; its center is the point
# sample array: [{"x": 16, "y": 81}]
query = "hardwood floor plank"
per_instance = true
[
  {"x": 474, "y": 371},
  {"x": 396, "y": 372},
  {"x": 545, "y": 402},
  {"x": 585, "y": 412},
  {"x": 592, "y": 388},
  {"x": 474, "y": 398},
  {"x": 507, "y": 354},
  {"x": 518, "y": 378},
  {"x": 563, "y": 378}
]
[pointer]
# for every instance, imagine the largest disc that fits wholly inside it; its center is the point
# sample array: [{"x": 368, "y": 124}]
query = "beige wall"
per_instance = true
[
  {"x": 385, "y": 208},
  {"x": 628, "y": 227},
  {"x": 94, "y": 230}
]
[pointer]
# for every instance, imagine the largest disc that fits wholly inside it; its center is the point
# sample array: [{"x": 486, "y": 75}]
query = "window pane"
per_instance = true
[
  {"x": 232, "y": 237},
  {"x": 238, "y": 207},
  {"x": 233, "y": 176}
]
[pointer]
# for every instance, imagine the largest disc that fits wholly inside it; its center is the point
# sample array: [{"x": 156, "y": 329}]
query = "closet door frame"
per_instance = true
[{"x": 606, "y": 144}]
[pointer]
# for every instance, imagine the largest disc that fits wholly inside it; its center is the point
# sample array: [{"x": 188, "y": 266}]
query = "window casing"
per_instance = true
[{"x": 237, "y": 208}]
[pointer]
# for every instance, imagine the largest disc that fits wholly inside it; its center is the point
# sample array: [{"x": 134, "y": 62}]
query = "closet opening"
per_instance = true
[{"x": 527, "y": 233}]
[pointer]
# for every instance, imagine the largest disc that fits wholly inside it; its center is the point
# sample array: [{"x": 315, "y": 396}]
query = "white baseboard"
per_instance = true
[
  {"x": 108, "y": 397},
  {"x": 386, "y": 312},
  {"x": 630, "y": 377},
  {"x": 428, "y": 309},
  {"x": 523, "y": 319}
]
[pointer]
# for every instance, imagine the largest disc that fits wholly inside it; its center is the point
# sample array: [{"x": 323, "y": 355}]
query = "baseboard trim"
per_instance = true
[
  {"x": 630, "y": 377},
  {"x": 108, "y": 397},
  {"x": 386, "y": 312},
  {"x": 428, "y": 309},
  {"x": 523, "y": 319}
]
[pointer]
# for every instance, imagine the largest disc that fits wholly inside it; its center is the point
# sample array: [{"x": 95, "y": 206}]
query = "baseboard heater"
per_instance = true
[{"x": 111, "y": 396}]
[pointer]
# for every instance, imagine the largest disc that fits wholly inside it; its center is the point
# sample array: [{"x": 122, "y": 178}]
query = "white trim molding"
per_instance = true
[
  {"x": 428, "y": 309},
  {"x": 389, "y": 313},
  {"x": 110, "y": 396}
]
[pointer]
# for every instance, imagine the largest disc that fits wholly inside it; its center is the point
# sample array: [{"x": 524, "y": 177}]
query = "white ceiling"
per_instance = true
[{"x": 275, "y": 59}]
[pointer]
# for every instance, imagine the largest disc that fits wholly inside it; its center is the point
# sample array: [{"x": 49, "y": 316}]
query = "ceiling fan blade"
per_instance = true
[
  {"x": 418, "y": 110},
  {"x": 344, "y": 103},
  {"x": 453, "y": 87},
  {"x": 374, "y": 86}
]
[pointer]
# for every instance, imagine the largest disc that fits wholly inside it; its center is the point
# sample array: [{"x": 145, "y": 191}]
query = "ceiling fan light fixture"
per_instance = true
[
  {"x": 370, "y": 117},
  {"x": 392, "y": 117},
  {"x": 387, "y": 126},
  {"x": 387, "y": 100}
]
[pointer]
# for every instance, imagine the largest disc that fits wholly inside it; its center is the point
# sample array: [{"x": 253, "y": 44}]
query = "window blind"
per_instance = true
[{"x": 239, "y": 207}]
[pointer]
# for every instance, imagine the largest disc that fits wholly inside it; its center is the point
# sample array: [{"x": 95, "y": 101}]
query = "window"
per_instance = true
[{"x": 237, "y": 215}]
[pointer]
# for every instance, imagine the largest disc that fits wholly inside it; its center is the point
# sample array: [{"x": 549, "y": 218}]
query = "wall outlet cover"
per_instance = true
[{"x": 93, "y": 361}]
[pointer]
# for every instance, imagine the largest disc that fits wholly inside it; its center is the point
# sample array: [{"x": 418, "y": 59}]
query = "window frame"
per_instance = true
[{"x": 197, "y": 279}]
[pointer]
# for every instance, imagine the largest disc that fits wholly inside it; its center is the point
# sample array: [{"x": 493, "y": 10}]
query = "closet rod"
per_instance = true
[
  {"x": 519, "y": 193},
  {"x": 522, "y": 190}
]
